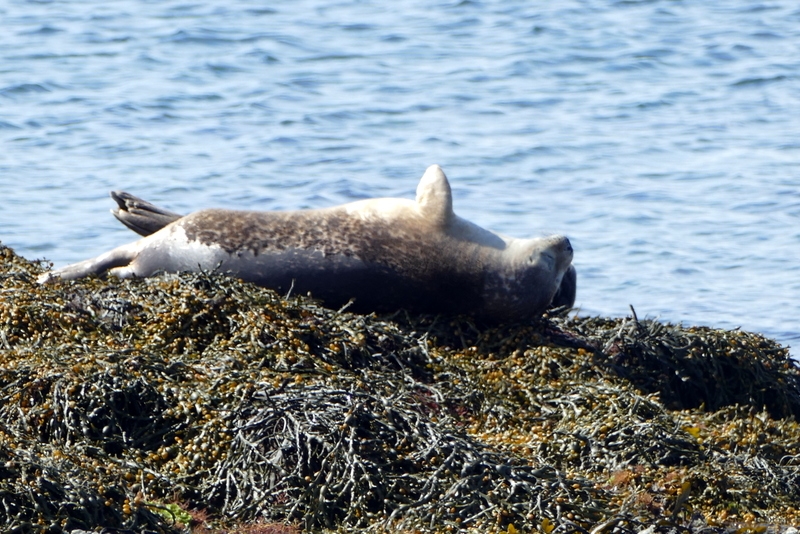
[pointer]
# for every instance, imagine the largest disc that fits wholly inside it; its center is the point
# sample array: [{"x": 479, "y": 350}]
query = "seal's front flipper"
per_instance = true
[
  {"x": 139, "y": 215},
  {"x": 434, "y": 198},
  {"x": 565, "y": 296}
]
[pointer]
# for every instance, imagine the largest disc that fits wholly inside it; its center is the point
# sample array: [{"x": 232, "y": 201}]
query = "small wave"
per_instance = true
[
  {"x": 759, "y": 81},
  {"x": 43, "y": 30},
  {"x": 23, "y": 88}
]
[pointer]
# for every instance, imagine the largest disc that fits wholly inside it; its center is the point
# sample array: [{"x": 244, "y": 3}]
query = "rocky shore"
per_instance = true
[{"x": 199, "y": 403}]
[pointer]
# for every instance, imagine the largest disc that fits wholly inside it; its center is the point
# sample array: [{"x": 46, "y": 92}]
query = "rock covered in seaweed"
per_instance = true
[{"x": 122, "y": 399}]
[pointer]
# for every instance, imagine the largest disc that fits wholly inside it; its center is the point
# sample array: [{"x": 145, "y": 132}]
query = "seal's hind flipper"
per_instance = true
[
  {"x": 139, "y": 215},
  {"x": 119, "y": 257}
]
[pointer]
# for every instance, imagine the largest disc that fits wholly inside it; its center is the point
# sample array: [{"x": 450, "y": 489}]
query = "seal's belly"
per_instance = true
[
  {"x": 378, "y": 274},
  {"x": 371, "y": 285}
]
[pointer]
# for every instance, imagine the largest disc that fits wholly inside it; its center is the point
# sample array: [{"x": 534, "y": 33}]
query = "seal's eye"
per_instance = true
[{"x": 546, "y": 258}]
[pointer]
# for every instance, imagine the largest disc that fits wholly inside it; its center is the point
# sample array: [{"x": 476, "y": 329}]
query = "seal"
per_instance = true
[{"x": 379, "y": 254}]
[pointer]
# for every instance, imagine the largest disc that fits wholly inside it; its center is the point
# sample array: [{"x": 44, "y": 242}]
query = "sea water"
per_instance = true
[{"x": 662, "y": 136}]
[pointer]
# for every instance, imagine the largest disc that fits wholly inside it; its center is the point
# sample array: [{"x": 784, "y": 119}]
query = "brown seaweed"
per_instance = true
[{"x": 124, "y": 401}]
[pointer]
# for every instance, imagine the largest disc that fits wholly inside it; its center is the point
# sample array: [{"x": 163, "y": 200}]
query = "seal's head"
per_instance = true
[
  {"x": 551, "y": 254},
  {"x": 530, "y": 274}
]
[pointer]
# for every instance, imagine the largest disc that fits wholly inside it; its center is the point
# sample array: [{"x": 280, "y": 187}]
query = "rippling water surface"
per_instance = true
[{"x": 662, "y": 136}]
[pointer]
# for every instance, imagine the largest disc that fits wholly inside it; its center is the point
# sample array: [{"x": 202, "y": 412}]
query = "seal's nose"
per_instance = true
[{"x": 563, "y": 243}]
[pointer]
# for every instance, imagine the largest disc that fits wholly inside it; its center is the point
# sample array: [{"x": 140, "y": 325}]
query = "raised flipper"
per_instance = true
[
  {"x": 139, "y": 215},
  {"x": 434, "y": 198}
]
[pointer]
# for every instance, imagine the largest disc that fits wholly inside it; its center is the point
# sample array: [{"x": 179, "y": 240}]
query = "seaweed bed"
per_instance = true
[{"x": 199, "y": 403}]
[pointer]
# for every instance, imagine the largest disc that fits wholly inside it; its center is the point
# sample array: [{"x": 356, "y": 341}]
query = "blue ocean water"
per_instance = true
[{"x": 662, "y": 136}]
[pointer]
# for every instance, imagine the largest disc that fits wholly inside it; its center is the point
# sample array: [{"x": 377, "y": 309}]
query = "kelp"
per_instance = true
[{"x": 202, "y": 403}]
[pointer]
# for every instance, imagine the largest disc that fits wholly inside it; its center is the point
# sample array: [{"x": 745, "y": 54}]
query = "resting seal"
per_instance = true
[{"x": 384, "y": 253}]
